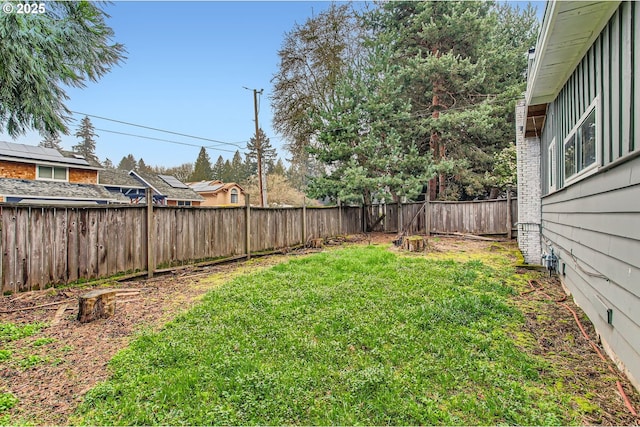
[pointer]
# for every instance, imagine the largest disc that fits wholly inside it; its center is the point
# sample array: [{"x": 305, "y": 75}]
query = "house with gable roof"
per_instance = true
[
  {"x": 218, "y": 193},
  {"x": 168, "y": 190},
  {"x": 36, "y": 175}
]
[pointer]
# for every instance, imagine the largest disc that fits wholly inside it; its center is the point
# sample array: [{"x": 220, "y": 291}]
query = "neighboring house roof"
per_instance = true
[
  {"x": 55, "y": 190},
  {"x": 39, "y": 155},
  {"x": 118, "y": 178},
  {"x": 212, "y": 186},
  {"x": 167, "y": 186}
]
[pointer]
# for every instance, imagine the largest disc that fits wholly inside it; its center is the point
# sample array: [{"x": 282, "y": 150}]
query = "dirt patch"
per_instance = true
[{"x": 50, "y": 372}]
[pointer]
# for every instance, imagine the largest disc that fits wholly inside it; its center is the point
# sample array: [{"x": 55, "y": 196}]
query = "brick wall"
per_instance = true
[
  {"x": 17, "y": 170},
  {"x": 529, "y": 190},
  {"x": 83, "y": 176}
]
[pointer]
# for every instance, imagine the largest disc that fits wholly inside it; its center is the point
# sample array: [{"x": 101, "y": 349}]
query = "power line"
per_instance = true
[
  {"x": 160, "y": 139},
  {"x": 162, "y": 130}
]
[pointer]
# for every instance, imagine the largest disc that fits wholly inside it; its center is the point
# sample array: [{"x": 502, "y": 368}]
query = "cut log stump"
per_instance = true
[
  {"x": 317, "y": 243},
  {"x": 413, "y": 243},
  {"x": 98, "y": 304}
]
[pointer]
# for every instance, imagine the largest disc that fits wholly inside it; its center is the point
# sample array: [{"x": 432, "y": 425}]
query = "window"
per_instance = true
[
  {"x": 184, "y": 203},
  {"x": 52, "y": 173},
  {"x": 580, "y": 147},
  {"x": 551, "y": 167},
  {"x": 234, "y": 196}
]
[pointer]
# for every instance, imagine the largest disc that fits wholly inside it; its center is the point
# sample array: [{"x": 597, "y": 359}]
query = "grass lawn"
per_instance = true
[{"x": 359, "y": 335}]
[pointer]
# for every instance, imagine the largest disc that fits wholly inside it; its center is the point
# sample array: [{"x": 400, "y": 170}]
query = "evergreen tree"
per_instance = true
[
  {"x": 364, "y": 141},
  {"x": 268, "y": 153},
  {"x": 218, "y": 169},
  {"x": 108, "y": 164},
  {"x": 227, "y": 172},
  {"x": 202, "y": 170},
  {"x": 51, "y": 141},
  {"x": 128, "y": 163},
  {"x": 87, "y": 144},
  {"x": 42, "y": 53},
  {"x": 279, "y": 168},
  {"x": 462, "y": 65},
  {"x": 143, "y": 167},
  {"x": 237, "y": 168}
]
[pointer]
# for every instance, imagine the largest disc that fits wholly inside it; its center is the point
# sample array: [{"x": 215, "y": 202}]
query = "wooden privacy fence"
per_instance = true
[
  {"x": 484, "y": 217},
  {"x": 44, "y": 246}
]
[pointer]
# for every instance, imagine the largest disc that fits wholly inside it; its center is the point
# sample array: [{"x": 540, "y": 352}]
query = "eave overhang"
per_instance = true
[{"x": 568, "y": 30}]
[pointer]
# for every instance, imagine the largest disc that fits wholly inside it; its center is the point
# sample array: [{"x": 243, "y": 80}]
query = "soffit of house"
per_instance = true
[
  {"x": 39, "y": 155},
  {"x": 568, "y": 29}
]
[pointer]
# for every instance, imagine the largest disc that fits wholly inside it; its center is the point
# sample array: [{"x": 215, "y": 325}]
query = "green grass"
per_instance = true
[{"x": 352, "y": 336}]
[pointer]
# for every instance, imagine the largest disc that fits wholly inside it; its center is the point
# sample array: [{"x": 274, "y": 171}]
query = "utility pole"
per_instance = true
[{"x": 261, "y": 189}]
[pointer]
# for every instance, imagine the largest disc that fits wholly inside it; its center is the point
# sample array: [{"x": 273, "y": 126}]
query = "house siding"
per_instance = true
[
  {"x": 593, "y": 224},
  {"x": 17, "y": 170},
  {"x": 83, "y": 176}
]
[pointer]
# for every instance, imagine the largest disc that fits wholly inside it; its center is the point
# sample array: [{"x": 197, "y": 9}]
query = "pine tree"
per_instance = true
[
  {"x": 268, "y": 153},
  {"x": 51, "y": 141},
  {"x": 143, "y": 167},
  {"x": 218, "y": 169},
  {"x": 128, "y": 163},
  {"x": 108, "y": 164},
  {"x": 202, "y": 169},
  {"x": 364, "y": 142},
  {"x": 227, "y": 173},
  {"x": 279, "y": 168},
  {"x": 463, "y": 66},
  {"x": 87, "y": 144},
  {"x": 237, "y": 168}
]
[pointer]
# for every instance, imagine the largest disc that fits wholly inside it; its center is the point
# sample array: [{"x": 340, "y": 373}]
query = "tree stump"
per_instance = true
[
  {"x": 98, "y": 304},
  {"x": 317, "y": 243},
  {"x": 413, "y": 243}
]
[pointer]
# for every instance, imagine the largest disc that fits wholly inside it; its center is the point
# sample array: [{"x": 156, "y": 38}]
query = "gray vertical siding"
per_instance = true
[
  {"x": 593, "y": 224},
  {"x": 609, "y": 71}
]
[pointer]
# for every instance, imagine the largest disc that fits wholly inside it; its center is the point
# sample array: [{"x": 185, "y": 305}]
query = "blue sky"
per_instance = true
[{"x": 186, "y": 66}]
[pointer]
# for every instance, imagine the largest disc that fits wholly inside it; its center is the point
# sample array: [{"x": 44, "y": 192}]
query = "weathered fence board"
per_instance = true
[{"x": 43, "y": 246}]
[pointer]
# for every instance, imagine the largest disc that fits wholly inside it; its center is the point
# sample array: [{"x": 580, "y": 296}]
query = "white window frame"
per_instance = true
[
  {"x": 578, "y": 175},
  {"x": 234, "y": 192},
  {"x": 552, "y": 170},
  {"x": 53, "y": 173},
  {"x": 184, "y": 203}
]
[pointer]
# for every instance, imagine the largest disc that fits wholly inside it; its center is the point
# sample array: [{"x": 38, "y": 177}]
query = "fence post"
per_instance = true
[
  {"x": 364, "y": 218},
  {"x": 340, "y": 231},
  {"x": 399, "y": 216},
  {"x": 247, "y": 225},
  {"x": 509, "y": 212},
  {"x": 427, "y": 213},
  {"x": 304, "y": 220},
  {"x": 150, "y": 234}
]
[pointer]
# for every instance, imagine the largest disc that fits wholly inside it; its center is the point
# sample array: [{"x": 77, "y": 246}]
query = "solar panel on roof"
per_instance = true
[
  {"x": 33, "y": 152},
  {"x": 172, "y": 181}
]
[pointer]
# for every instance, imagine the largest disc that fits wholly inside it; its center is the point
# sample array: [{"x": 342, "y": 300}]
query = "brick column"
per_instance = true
[{"x": 529, "y": 190}]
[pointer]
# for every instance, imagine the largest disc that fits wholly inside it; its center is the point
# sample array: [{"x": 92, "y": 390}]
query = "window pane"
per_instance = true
[
  {"x": 45, "y": 172},
  {"x": 570, "y": 157},
  {"x": 588, "y": 141},
  {"x": 234, "y": 196},
  {"x": 60, "y": 173}
]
